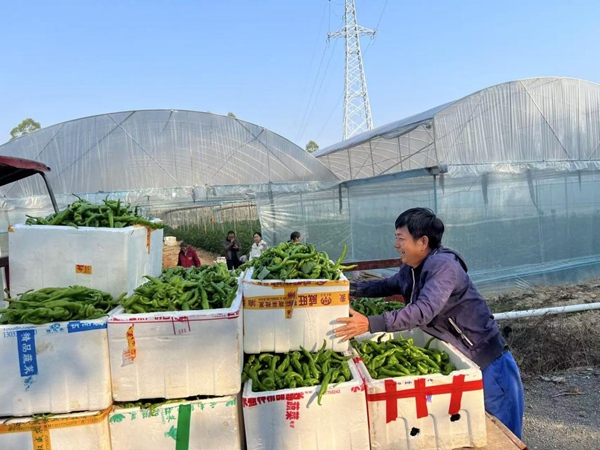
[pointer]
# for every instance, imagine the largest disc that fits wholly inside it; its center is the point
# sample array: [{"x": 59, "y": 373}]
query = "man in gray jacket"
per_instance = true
[{"x": 442, "y": 301}]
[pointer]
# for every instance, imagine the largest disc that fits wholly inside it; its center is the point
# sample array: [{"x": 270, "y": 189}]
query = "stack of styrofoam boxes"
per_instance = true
[
  {"x": 175, "y": 355},
  {"x": 55, "y": 368},
  {"x": 281, "y": 316},
  {"x": 428, "y": 412},
  {"x": 63, "y": 367}
]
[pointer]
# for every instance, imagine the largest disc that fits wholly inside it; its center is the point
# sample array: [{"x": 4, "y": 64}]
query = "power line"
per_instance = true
[
  {"x": 381, "y": 15},
  {"x": 319, "y": 90},
  {"x": 304, "y": 117},
  {"x": 329, "y": 118},
  {"x": 312, "y": 60},
  {"x": 374, "y": 36}
]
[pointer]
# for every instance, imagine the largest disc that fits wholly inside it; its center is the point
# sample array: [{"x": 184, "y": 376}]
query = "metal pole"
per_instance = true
[
  {"x": 544, "y": 311},
  {"x": 435, "y": 202},
  {"x": 50, "y": 192}
]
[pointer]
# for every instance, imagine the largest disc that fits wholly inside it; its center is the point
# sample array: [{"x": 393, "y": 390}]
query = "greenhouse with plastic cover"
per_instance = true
[
  {"x": 182, "y": 166},
  {"x": 513, "y": 171}
]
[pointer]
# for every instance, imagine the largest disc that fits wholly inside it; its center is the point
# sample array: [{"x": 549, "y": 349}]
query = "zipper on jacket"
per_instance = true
[
  {"x": 412, "y": 293},
  {"x": 462, "y": 335},
  {"x": 412, "y": 272}
]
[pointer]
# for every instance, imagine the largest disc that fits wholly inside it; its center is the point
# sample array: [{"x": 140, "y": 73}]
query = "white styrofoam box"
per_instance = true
[
  {"x": 170, "y": 240},
  {"x": 78, "y": 431},
  {"x": 113, "y": 260},
  {"x": 429, "y": 412},
  {"x": 56, "y": 367},
  {"x": 292, "y": 419},
  {"x": 209, "y": 424},
  {"x": 176, "y": 354},
  {"x": 281, "y": 316}
]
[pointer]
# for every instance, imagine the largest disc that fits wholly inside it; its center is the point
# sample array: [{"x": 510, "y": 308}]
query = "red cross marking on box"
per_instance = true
[{"x": 420, "y": 392}]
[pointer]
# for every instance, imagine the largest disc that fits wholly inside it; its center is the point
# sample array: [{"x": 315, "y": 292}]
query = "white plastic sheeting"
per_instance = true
[
  {"x": 520, "y": 198},
  {"x": 159, "y": 160},
  {"x": 136, "y": 151},
  {"x": 517, "y": 225},
  {"x": 524, "y": 121}
]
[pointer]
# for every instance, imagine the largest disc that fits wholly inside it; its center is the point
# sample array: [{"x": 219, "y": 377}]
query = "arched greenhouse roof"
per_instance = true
[
  {"x": 160, "y": 149},
  {"x": 550, "y": 120}
]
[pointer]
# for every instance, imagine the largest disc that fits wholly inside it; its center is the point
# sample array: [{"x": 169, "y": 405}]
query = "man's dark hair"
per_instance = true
[
  {"x": 183, "y": 244},
  {"x": 230, "y": 232},
  {"x": 422, "y": 222},
  {"x": 294, "y": 235}
]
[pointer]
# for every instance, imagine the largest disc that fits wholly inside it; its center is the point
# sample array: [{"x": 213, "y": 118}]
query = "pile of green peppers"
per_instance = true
[
  {"x": 182, "y": 289},
  {"x": 271, "y": 372},
  {"x": 374, "y": 306},
  {"x": 290, "y": 261},
  {"x": 401, "y": 357},
  {"x": 54, "y": 304},
  {"x": 81, "y": 213}
]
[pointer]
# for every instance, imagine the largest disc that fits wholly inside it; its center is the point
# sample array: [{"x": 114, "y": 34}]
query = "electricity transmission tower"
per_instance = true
[{"x": 357, "y": 111}]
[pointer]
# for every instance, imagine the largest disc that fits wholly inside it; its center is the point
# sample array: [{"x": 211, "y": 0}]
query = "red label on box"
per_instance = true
[{"x": 80, "y": 268}]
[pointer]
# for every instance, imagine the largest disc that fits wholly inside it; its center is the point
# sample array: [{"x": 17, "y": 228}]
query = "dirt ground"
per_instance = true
[
  {"x": 561, "y": 410},
  {"x": 559, "y": 358},
  {"x": 545, "y": 297},
  {"x": 170, "y": 252}
]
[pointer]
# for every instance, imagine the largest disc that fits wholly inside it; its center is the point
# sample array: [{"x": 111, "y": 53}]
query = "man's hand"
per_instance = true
[{"x": 354, "y": 325}]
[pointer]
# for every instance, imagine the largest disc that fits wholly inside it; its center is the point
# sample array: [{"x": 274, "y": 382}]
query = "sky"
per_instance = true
[{"x": 270, "y": 63}]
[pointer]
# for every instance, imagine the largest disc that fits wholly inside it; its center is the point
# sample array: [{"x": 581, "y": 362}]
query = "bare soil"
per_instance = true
[
  {"x": 559, "y": 358},
  {"x": 545, "y": 297},
  {"x": 170, "y": 252},
  {"x": 562, "y": 410}
]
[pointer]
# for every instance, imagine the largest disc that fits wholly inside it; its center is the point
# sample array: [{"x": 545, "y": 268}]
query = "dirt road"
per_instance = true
[{"x": 170, "y": 252}]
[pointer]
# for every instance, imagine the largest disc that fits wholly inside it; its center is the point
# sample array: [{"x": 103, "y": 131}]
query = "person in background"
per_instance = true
[
  {"x": 443, "y": 302},
  {"x": 188, "y": 256},
  {"x": 231, "y": 245},
  {"x": 295, "y": 237},
  {"x": 258, "y": 247}
]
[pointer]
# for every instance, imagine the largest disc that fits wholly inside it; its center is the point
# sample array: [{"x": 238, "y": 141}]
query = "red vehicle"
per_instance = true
[{"x": 14, "y": 169}]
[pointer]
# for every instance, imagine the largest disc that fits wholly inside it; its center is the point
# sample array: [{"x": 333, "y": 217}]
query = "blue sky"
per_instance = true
[{"x": 269, "y": 61}]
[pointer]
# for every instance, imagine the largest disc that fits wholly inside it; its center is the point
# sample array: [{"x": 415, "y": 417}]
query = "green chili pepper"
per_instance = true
[{"x": 324, "y": 385}]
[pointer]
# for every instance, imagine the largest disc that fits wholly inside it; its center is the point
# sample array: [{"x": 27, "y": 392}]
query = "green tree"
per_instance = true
[
  {"x": 312, "y": 147},
  {"x": 230, "y": 114},
  {"x": 25, "y": 127}
]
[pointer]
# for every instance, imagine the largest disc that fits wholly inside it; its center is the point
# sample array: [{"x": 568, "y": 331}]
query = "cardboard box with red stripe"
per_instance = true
[
  {"x": 429, "y": 412},
  {"x": 281, "y": 316},
  {"x": 176, "y": 354}
]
